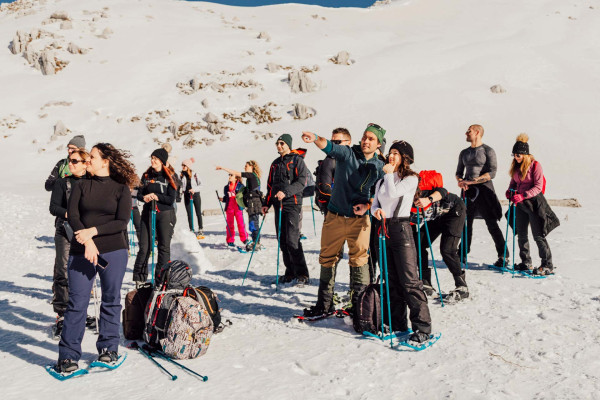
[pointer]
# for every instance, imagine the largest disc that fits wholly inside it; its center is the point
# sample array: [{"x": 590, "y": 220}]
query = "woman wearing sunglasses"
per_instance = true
[
  {"x": 157, "y": 188},
  {"x": 98, "y": 211},
  {"x": 526, "y": 191},
  {"x": 77, "y": 162}
]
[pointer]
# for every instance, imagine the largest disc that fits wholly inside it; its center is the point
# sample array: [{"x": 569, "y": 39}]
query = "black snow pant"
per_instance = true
[
  {"x": 197, "y": 208},
  {"x": 524, "y": 218},
  {"x": 137, "y": 221},
  {"x": 492, "y": 226},
  {"x": 450, "y": 226},
  {"x": 60, "y": 281},
  {"x": 403, "y": 277},
  {"x": 289, "y": 241},
  {"x": 165, "y": 224}
]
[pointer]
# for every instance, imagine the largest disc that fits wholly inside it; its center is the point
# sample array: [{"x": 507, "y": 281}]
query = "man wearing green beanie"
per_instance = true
[{"x": 357, "y": 169}]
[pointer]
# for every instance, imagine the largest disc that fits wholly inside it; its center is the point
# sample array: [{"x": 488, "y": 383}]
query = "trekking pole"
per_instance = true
[
  {"x": 506, "y": 235},
  {"x": 254, "y": 247},
  {"x": 153, "y": 236},
  {"x": 192, "y": 213},
  {"x": 173, "y": 377},
  {"x": 433, "y": 260},
  {"x": 387, "y": 287},
  {"x": 466, "y": 246},
  {"x": 514, "y": 234},
  {"x": 222, "y": 211},
  {"x": 96, "y": 302},
  {"x": 419, "y": 240},
  {"x": 278, "y": 245},
  {"x": 165, "y": 357},
  {"x": 380, "y": 256},
  {"x": 312, "y": 208}
]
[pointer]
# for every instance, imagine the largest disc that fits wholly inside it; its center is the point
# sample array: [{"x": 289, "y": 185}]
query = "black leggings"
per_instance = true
[
  {"x": 197, "y": 208},
  {"x": 165, "y": 224}
]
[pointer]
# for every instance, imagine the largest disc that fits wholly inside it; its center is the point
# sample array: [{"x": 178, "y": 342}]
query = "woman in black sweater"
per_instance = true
[
  {"x": 61, "y": 191},
  {"x": 98, "y": 211},
  {"x": 157, "y": 188}
]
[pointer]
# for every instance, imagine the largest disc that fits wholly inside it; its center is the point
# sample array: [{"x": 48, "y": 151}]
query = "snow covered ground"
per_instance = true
[{"x": 421, "y": 69}]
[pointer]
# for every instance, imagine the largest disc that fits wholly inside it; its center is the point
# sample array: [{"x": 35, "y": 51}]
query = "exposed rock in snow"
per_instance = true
[
  {"x": 300, "y": 82},
  {"x": 106, "y": 33},
  {"x": 264, "y": 35},
  {"x": 56, "y": 103},
  {"x": 48, "y": 64},
  {"x": 74, "y": 49},
  {"x": 301, "y": 111},
  {"x": 204, "y": 103},
  {"x": 497, "y": 89},
  {"x": 342, "y": 58},
  {"x": 249, "y": 70},
  {"x": 253, "y": 96},
  {"x": 66, "y": 25},
  {"x": 19, "y": 42},
  {"x": 62, "y": 15},
  {"x": 211, "y": 118},
  {"x": 272, "y": 67},
  {"x": 59, "y": 130}
]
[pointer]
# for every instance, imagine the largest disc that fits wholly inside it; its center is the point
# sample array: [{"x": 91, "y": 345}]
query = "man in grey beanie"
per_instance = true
[{"x": 61, "y": 169}]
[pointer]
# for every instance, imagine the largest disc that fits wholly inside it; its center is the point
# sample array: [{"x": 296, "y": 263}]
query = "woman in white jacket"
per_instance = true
[
  {"x": 191, "y": 184},
  {"x": 394, "y": 196}
]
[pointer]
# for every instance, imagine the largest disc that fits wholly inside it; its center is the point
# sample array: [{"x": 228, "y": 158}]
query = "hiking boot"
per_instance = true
[
  {"x": 249, "y": 245},
  {"x": 524, "y": 267},
  {"x": 458, "y": 294},
  {"x": 302, "y": 280},
  {"x": 66, "y": 366},
  {"x": 302, "y": 236},
  {"x": 230, "y": 244},
  {"x": 108, "y": 356},
  {"x": 502, "y": 262},
  {"x": 139, "y": 284},
  {"x": 317, "y": 310},
  {"x": 427, "y": 288},
  {"x": 543, "y": 270},
  {"x": 419, "y": 337},
  {"x": 285, "y": 279}
]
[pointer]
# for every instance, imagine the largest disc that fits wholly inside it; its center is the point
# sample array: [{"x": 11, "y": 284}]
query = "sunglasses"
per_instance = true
[
  {"x": 75, "y": 162},
  {"x": 279, "y": 143},
  {"x": 337, "y": 141}
]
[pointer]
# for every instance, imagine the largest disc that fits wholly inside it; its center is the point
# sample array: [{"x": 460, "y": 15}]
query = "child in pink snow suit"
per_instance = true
[{"x": 233, "y": 211}]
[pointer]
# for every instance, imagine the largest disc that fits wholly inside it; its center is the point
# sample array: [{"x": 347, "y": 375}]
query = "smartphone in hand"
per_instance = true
[{"x": 102, "y": 263}]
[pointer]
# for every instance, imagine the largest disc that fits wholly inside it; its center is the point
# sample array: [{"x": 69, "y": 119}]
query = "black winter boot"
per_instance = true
[{"x": 324, "y": 295}]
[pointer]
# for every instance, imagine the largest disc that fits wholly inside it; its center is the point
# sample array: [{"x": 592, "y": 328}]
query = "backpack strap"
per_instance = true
[
  {"x": 68, "y": 192},
  {"x": 397, "y": 210}
]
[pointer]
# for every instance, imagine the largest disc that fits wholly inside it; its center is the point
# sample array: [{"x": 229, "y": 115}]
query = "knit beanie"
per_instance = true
[
  {"x": 521, "y": 146},
  {"x": 405, "y": 149},
  {"x": 161, "y": 154},
  {"x": 188, "y": 163},
  {"x": 377, "y": 130},
  {"x": 287, "y": 138},
  {"x": 78, "y": 141}
]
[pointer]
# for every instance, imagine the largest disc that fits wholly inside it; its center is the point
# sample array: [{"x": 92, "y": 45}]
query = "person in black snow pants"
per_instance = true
[
  {"x": 476, "y": 168},
  {"x": 157, "y": 187},
  {"x": 287, "y": 178},
  {"x": 61, "y": 169},
  {"x": 191, "y": 185},
  {"x": 98, "y": 211},
  {"x": 253, "y": 198},
  {"x": 445, "y": 214},
  {"x": 62, "y": 242},
  {"x": 394, "y": 196}
]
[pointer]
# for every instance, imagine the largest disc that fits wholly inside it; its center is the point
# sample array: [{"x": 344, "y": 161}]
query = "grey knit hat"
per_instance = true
[{"x": 78, "y": 141}]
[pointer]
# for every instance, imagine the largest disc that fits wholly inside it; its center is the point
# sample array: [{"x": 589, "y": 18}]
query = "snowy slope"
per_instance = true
[{"x": 423, "y": 70}]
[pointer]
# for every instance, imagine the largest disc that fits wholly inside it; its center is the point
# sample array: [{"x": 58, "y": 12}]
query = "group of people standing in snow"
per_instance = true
[{"x": 93, "y": 203}]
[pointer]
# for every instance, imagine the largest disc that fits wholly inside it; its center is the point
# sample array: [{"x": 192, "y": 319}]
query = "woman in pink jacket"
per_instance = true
[
  {"x": 526, "y": 189},
  {"x": 234, "y": 211}
]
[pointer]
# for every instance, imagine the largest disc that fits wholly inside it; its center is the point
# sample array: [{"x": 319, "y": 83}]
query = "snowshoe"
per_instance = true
[
  {"x": 428, "y": 289},
  {"x": 458, "y": 294},
  {"x": 302, "y": 236},
  {"x": 285, "y": 279},
  {"x": 501, "y": 262},
  {"x": 419, "y": 337},
  {"x": 525, "y": 267},
  {"x": 302, "y": 281},
  {"x": 543, "y": 271},
  {"x": 318, "y": 311},
  {"x": 108, "y": 356}
]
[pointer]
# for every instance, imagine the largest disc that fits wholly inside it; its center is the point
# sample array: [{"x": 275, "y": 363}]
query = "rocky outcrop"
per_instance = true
[
  {"x": 301, "y": 111},
  {"x": 300, "y": 82},
  {"x": 497, "y": 89},
  {"x": 341, "y": 58},
  {"x": 265, "y": 36}
]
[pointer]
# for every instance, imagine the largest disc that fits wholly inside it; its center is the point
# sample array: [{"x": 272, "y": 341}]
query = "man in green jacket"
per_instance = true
[{"x": 357, "y": 169}]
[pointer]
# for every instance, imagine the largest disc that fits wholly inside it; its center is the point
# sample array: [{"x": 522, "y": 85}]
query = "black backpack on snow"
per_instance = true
[
  {"x": 367, "y": 310},
  {"x": 173, "y": 275}
]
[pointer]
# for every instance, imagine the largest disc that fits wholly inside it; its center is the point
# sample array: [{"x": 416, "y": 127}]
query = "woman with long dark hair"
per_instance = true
[
  {"x": 191, "y": 184},
  {"x": 252, "y": 174},
  {"x": 394, "y": 196},
  {"x": 159, "y": 190},
  {"x": 61, "y": 192},
  {"x": 526, "y": 192},
  {"x": 98, "y": 212}
]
